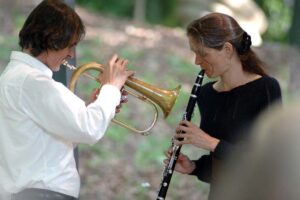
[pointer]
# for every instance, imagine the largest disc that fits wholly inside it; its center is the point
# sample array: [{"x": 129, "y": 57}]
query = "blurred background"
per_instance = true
[{"x": 151, "y": 34}]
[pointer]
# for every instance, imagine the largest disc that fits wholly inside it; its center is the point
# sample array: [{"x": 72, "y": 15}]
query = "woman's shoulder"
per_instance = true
[
  {"x": 264, "y": 80},
  {"x": 268, "y": 78},
  {"x": 270, "y": 81},
  {"x": 268, "y": 86}
]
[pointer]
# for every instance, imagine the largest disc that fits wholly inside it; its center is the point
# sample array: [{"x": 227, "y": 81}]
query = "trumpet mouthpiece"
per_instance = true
[{"x": 68, "y": 65}]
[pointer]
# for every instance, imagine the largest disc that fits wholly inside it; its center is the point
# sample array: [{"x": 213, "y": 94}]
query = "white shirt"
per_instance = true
[{"x": 40, "y": 122}]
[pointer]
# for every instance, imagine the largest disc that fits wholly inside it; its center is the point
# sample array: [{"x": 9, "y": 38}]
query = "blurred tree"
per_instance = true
[
  {"x": 294, "y": 31},
  {"x": 10, "y": 10},
  {"x": 162, "y": 12},
  {"x": 279, "y": 14},
  {"x": 294, "y": 40},
  {"x": 260, "y": 2},
  {"x": 139, "y": 11},
  {"x": 6, "y": 20},
  {"x": 112, "y": 7},
  {"x": 153, "y": 11}
]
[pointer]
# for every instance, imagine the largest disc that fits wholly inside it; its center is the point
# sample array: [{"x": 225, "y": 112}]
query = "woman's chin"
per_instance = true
[{"x": 209, "y": 75}]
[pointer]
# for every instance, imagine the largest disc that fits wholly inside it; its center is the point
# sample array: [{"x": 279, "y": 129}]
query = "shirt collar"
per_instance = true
[{"x": 31, "y": 61}]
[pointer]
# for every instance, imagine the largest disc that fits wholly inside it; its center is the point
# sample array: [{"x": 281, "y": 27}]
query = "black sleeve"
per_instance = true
[
  {"x": 223, "y": 150},
  {"x": 203, "y": 168},
  {"x": 274, "y": 91}
]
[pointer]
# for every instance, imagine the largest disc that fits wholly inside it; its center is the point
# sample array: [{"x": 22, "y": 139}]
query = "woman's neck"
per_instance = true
[{"x": 233, "y": 78}]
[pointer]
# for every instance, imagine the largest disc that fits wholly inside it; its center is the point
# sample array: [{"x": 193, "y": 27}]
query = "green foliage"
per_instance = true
[
  {"x": 7, "y": 43},
  {"x": 10, "y": 42},
  {"x": 112, "y": 7},
  {"x": 295, "y": 26},
  {"x": 86, "y": 50},
  {"x": 183, "y": 67},
  {"x": 19, "y": 20},
  {"x": 117, "y": 133},
  {"x": 148, "y": 157},
  {"x": 157, "y": 11},
  {"x": 162, "y": 12},
  {"x": 279, "y": 14},
  {"x": 130, "y": 54},
  {"x": 142, "y": 192},
  {"x": 100, "y": 152}
]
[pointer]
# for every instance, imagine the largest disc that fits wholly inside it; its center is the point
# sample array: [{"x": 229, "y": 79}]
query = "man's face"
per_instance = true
[{"x": 54, "y": 58}]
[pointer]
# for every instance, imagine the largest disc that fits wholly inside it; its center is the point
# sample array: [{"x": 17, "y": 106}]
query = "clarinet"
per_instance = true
[{"x": 168, "y": 171}]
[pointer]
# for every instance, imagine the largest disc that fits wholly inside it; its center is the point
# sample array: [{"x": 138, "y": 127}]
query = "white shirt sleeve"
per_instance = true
[{"x": 60, "y": 112}]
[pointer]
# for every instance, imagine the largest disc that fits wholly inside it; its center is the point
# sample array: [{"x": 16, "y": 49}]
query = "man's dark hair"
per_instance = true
[{"x": 52, "y": 25}]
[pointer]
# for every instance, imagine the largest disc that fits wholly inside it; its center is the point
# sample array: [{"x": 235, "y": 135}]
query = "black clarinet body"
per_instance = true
[{"x": 168, "y": 171}]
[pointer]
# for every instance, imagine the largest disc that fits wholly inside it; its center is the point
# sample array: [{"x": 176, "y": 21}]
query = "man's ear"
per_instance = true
[{"x": 228, "y": 49}]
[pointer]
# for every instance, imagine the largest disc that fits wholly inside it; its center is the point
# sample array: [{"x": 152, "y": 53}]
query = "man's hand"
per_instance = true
[
  {"x": 116, "y": 72},
  {"x": 123, "y": 100}
]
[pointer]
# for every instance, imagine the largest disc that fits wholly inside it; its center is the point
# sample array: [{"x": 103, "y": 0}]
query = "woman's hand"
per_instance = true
[
  {"x": 183, "y": 165},
  {"x": 195, "y": 136}
]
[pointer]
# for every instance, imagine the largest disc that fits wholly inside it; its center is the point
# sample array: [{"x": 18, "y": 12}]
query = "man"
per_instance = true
[{"x": 40, "y": 119}]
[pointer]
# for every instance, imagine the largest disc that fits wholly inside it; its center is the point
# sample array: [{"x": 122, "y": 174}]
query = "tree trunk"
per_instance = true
[
  {"x": 294, "y": 40},
  {"x": 294, "y": 31},
  {"x": 139, "y": 11},
  {"x": 6, "y": 20}
]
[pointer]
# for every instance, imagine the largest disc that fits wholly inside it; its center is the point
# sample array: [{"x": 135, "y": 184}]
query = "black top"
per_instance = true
[{"x": 229, "y": 115}]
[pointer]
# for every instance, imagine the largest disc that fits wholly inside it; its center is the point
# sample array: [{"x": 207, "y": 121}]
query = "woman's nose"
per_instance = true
[{"x": 198, "y": 61}]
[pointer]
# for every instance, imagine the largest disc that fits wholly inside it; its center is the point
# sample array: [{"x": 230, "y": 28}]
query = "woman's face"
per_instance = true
[{"x": 213, "y": 61}]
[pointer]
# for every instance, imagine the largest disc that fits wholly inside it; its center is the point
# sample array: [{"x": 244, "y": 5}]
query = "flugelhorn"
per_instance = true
[{"x": 148, "y": 93}]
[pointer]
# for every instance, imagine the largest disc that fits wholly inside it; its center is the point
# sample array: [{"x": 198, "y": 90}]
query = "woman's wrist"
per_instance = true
[
  {"x": 192, "y": 167},
  {"x": 214, "y": 143}
]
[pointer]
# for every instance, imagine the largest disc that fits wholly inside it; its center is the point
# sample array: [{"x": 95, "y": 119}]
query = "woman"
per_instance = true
[{"x": 229, "y": 105}]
